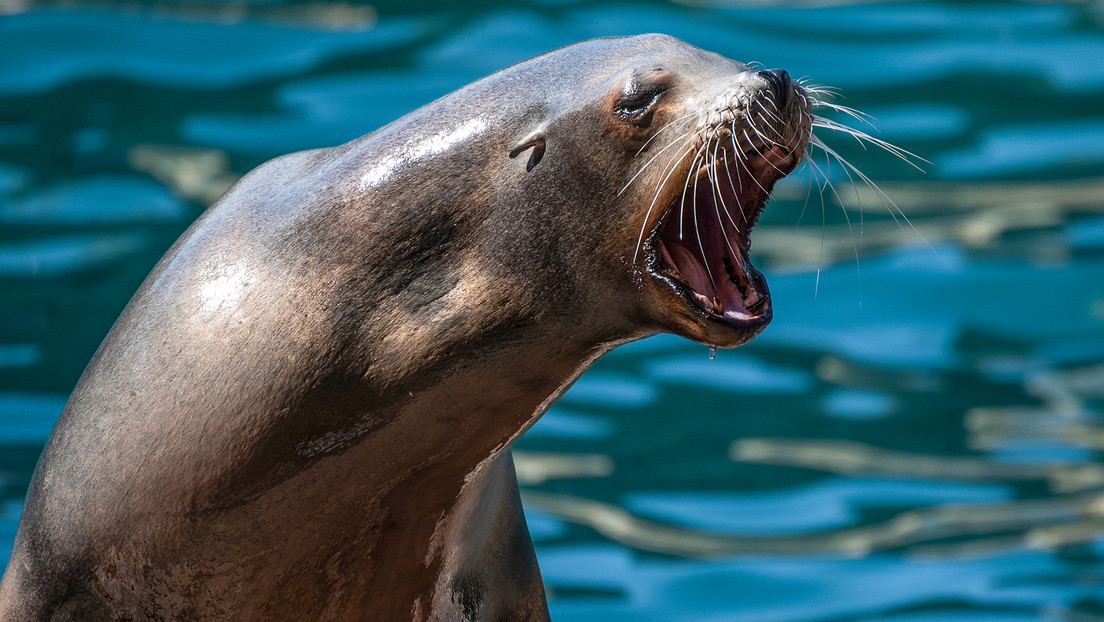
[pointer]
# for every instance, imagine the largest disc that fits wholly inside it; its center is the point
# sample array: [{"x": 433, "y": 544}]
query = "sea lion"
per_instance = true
[{"x": 305, "y": 411}]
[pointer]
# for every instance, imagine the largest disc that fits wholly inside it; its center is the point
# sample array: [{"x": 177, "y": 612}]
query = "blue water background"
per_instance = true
[{"x": 916, "y": 437}]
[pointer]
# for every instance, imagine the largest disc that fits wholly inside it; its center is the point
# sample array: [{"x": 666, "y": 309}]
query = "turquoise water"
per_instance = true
[{"x": 917, "y": 436}]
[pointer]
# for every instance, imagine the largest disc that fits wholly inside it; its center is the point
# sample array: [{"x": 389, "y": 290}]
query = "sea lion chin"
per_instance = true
[{"x": 306, "y": 409}]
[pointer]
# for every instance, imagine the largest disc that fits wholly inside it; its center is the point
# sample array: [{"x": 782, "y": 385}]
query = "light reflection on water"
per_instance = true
[{"x": 916, "y": 437}]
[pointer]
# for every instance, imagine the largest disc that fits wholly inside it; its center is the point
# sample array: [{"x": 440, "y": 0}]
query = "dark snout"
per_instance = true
[{"x": 780, "y": 84}]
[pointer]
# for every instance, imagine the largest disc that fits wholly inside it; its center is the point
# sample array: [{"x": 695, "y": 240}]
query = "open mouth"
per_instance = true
[{"x": 701, "y": 244}]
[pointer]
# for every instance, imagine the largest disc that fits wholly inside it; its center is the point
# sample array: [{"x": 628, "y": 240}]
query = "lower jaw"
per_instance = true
[
  {"x": 723, "y": 330},
  {"x": 723, "y": 334},
  {"x": 733, "y": 291}
]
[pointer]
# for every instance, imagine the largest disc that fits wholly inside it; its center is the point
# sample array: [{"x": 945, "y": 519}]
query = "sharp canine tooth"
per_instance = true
[{"x": 717, "y": 308}]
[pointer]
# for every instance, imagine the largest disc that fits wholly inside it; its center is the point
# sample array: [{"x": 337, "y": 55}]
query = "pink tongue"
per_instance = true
[{"x": 690, "y": 267}]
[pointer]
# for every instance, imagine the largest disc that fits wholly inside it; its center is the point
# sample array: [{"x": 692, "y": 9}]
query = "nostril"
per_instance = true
[
  {"x": 779, "y": 82},
  {"x": 778, "y": 79}
]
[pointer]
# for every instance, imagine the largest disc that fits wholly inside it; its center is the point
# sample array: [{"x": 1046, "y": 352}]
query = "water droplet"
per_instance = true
[{"x": 712, "y": 352}]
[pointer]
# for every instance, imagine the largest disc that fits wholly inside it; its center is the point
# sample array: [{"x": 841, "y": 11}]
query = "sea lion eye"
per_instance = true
[{"x": 637, "y": 100}]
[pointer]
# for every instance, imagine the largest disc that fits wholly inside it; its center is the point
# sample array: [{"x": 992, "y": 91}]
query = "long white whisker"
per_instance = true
[
  {"x": 643, "y": 226},
  {"x": 847, "y": 218},
  {"x": 732, "y": 184},
  {"x": 755, "y": 129},
  {"x": 873, "y": 186},
  {"x": 720, "y": 196},
  {"x": 676, "y": 157},
  {"x": 858, "y": 115},
  {"x": 820, "y": 251},
  {"x": 861, "y": 136},
  {"x": 816, "y": 142},
  {"x": 737, "y": 153},
  {"x": 660, "y": 130},
  {"x": 685, "y": 187},
  {"x": 715, "y": 179},
  {"x": 697, "y": 229},
  {"x": 763, "y": 155},
  {"x": 818, "y": 89},
  {"x": 769, "y": 113},
  {"x": 808, "y": 193},
  {"x": 760, "y": 153},
  {"x": 674, "y": 141}
]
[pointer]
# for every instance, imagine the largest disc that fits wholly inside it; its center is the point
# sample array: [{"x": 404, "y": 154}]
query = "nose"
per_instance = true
[{"x": 780, "y": 84}]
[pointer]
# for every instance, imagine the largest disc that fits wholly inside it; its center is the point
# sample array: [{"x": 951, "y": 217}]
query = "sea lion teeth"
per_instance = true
[
  {"x": 717, "y": 307},
  {"x": 704, "y": 301}
]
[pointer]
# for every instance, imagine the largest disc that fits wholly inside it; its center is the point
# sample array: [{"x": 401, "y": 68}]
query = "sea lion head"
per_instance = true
[
  {"x": 600, "y": 192},
  {"x": 674, "y": 151}
]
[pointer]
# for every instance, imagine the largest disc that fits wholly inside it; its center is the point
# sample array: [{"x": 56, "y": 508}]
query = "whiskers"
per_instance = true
[
  {"x": 817, "y": 97},
  {"x": 739, "y": 150},
  {"x": 682, "y": 145},
  {"x": 716, "y": 144}
]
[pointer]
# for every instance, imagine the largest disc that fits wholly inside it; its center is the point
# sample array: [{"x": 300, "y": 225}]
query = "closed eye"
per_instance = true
[{"x": 637, "y": 100}]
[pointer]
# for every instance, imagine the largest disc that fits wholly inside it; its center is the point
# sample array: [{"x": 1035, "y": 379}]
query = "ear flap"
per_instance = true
[{"x": 535, "y": 141}]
